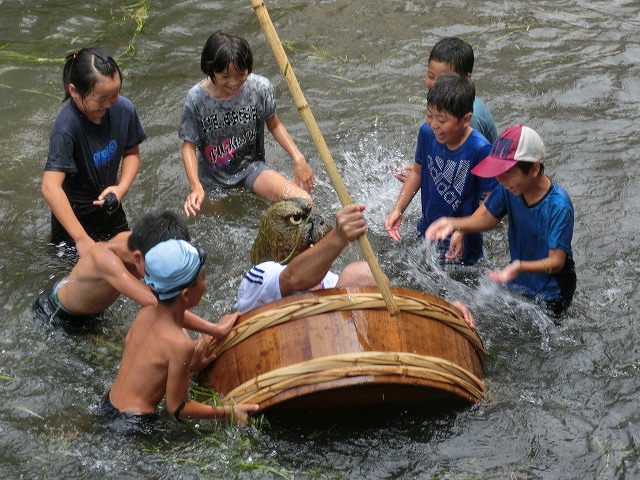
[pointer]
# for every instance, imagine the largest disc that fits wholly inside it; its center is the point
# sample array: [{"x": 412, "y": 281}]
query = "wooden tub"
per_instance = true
[{"x": 341, "y": 348}]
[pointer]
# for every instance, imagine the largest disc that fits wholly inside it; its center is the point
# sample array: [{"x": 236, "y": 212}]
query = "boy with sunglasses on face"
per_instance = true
[{"x": 159, "y": 356}]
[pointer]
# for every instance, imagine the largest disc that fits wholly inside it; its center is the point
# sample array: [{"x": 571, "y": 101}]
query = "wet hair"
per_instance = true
[
  {"x": 223, "y": 49},
  {"x": 454, "y": 52},
  {"x": 452, "y": 93},
  {"x": 155, "y": 227},
  {"x": 525, "y": 167},
  {"x": 85, "y": 68}
]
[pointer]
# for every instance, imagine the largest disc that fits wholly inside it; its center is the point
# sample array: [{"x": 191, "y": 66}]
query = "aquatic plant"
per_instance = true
[{"x": 138, "y": 13}]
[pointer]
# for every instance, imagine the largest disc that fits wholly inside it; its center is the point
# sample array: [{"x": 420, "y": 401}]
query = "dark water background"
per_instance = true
[{"x": 562, "y": 400}]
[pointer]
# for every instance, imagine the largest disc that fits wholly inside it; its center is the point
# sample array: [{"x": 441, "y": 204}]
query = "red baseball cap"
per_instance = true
[{"x": 516, "y": 144}]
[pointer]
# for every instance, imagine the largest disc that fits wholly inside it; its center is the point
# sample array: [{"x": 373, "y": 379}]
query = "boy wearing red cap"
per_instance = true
[{"x": 540, "y": 215}]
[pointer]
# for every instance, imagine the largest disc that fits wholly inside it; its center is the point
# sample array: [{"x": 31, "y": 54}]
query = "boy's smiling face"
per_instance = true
[
  {"x": 447, "y": 128},
  {"x": 435, "y": 70},
  {"x": 516, "y": 181}
]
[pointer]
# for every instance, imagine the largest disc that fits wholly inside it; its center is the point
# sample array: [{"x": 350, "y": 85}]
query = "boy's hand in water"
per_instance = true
[
  {"x": 402, "y": 172},
  {"x": 241, "y": 412}
]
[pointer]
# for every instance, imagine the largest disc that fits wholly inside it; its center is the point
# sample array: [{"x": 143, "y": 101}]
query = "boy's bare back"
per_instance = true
[
  {"x": 158, "y": 355},
  {"x": 107, "y": 270},
  {"x": 157, "y": 352}
]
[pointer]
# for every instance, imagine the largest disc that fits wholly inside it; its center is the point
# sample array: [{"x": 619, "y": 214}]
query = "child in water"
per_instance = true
[
  {"x": 158, "y": 355},
  {"x": 447, "y": 149},
  {"x": 540, "y": 215},
  {"x": 222, "y": 129},
  {"x": 110, "y": 269},
  {"x": 454, "y": 55},
  {"x": 96, "y": 132}
]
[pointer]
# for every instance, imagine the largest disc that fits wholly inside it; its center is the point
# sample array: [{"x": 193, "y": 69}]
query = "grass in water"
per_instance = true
[{"x": 137, "y": 12}]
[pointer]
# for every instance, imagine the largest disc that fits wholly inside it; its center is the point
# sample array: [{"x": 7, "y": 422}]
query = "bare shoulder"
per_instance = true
[
  {"x": 110, "y": 257},
  {"x": 154, "y": 324},
  {"x": 88, "y": 265},
  {"x": 104, "y": 263}
]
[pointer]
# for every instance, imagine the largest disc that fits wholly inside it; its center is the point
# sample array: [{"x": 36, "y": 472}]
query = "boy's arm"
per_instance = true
[
  {"x": 176, "y": 396},
  {"x": 216, "y": 330},
  {"x": 195, "y": 198},
  {"x": 113, "y": 271},
  {"x": 480, "y": 221},
  {"x": 309, "y": 267},
  {"x": 549, "y": 265},
  {"x": 302, "y": 173},
  {"x": 238, "y": 413},
  {"x": 409, "y": 188},
  {"x": 61, "y": 208},
  {"x": 179, "y": 373}
]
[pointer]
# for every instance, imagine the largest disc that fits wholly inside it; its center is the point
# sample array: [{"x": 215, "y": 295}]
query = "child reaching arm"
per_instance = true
[
  {"x": 447, "y": 149},
  {"x": 540, "y": 215},
  {"x": 454, "y": 55},
  {"x": 110, "y": 269},
  {"x": 158, "y": 355}
]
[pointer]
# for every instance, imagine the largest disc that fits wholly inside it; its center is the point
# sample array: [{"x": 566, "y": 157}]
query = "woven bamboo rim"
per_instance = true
[
  {"x": 334, "y": 367},
  {"x": 309, "y": 306}
]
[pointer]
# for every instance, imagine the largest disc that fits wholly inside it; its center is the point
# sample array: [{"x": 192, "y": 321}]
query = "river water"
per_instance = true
[{"x": 562, "y": 399}]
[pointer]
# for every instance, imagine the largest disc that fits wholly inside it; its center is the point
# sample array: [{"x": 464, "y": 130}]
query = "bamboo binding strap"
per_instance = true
[
  {"x": 307, "y": 307},
  {"x": 410, "y": 366},
  {"x": 309, "y": 120}
]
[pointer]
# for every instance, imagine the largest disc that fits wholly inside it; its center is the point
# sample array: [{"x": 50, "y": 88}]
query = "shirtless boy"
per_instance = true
[
  {"x": 109, "y": 269},
  {"x": 158, "y": 356}
]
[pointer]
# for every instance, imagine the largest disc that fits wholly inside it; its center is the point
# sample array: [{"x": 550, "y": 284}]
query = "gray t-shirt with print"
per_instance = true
[{"x": 229, "y": 132}]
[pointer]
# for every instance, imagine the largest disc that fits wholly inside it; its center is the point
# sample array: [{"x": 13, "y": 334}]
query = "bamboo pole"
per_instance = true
[{"x": 309, "y": 120}]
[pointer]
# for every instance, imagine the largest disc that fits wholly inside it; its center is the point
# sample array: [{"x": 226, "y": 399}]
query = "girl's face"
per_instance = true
[
  {"x": 96, "y": 103},
  {"x": 229, "y": 82}
]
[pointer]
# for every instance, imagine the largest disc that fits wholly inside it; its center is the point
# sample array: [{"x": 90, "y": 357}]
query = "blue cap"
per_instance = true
[{"x": 172, "y": 266}]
